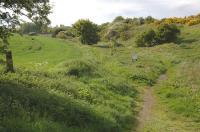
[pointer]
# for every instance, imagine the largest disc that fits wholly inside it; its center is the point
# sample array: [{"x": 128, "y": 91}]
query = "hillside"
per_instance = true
[{"x": 61, "y": 85}]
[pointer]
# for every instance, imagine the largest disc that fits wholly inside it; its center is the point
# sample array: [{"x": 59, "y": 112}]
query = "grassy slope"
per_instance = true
[
  {"x": 62, "y": 86},
  {"x": 178, "y": 96},
  {"x": 83, "y": 88}
]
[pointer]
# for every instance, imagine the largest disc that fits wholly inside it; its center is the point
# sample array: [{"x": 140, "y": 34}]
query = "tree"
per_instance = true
[
  {"x": 10, "y": 12},
  {"x": 28, "y": 27},
  {"x": 87, "y": 31}
]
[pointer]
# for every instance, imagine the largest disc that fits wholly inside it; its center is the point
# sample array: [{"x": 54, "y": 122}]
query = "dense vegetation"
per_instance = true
[
  {"x": 87, "y": 31},
  {"x": 61, "y": 85},
  {"x": 165, "y": 33}
]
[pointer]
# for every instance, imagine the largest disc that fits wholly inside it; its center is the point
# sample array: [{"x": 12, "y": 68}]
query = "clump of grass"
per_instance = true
[{"x": 79, "y": 68}]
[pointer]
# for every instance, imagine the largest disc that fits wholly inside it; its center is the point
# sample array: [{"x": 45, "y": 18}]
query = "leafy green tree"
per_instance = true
[
  {"x": 167, "y": 33},
  {"x": 10, "y": 12},
  {"x": 87, "y": 31},
  {"x": 29, "y": 27}
]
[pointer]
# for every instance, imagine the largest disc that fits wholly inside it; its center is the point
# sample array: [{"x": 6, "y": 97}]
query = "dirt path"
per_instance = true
[
  {"x": 149, "y": 102},
  {"x": 145, "y": 113}
]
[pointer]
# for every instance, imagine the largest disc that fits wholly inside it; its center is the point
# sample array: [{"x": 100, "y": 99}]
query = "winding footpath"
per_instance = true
[{"x": 148, "y": 104}]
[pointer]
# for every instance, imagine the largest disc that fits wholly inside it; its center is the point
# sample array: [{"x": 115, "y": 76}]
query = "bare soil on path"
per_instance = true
[
  {"x": 144, "y": 114},
  {"x": 148, "y": 104}
]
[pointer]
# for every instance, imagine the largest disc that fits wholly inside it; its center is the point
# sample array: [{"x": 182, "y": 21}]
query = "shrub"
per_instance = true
[
  {"x": 87, "y": 31},
  {"x": 112, "y": 34},
  {"x": 149, "y": 19},
  {"x": 78, "y": 68},
  {"x": 193, "y": 22},
  {"x": 125, "y": 35},
  {"x": 118, "y": 19},
  {"x": 146, "y": 39},
  {"x": 167, "y": 33},
  {"x": 56, "y": 31},
  {"x": 61, "y": 35},
  {"x": 70, "y": 33}
]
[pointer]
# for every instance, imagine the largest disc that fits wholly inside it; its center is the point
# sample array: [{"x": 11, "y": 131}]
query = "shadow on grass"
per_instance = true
[
  {"x": 185, "y": 41},
  {"x": 58, "y": 109},
  {"x": 102, "y": 46}
]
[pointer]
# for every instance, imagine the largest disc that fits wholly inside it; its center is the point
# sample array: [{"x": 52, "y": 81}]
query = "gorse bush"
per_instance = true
[
  {"x": 190, "y": 20},
  {"x": 164, "y": 34},
  {"x": 87, "y": 31}
]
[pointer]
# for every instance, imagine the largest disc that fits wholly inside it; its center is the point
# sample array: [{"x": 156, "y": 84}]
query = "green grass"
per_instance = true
[
  {"x": 178, "y": 96},
  {"x": 63, "y": 86},
  {"x": 41, "y": 50},
  {"x": 60, "y": 85}
]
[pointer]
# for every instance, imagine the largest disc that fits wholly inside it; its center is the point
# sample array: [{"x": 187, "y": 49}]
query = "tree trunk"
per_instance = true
[
  {"x": 8, "y": 55},
  {"x": 9, "y": 61}
]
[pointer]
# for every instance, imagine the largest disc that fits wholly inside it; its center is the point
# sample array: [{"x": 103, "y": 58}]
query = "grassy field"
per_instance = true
[
  {"x": 60, "y": 85},
  {"x": 63, "y": 86},
  {"x": 178, "y": 96}
]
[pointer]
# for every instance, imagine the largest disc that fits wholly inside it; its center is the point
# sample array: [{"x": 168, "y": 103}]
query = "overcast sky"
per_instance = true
[{"x": 99, "y": 11}]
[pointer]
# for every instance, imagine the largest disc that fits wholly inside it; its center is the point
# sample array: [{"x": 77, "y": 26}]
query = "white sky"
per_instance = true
[{"x": 99, "y": 11}]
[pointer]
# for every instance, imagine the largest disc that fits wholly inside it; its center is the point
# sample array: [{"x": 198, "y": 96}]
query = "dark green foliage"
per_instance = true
[
  {"x": 146, "y": 39},
  {"x": 167, "y": 33},
  {"x": 164, "y": 34},
  {"x": 10, "y": 13},
  {"x": 79, "y": 68},
  {"x": 118, "y": 19},
  {"x": 149, "y": 19},
  {"x": 141, "y": 20},
  {"x": 33, "y": 104},
  {"x": 87, "y": 30}
]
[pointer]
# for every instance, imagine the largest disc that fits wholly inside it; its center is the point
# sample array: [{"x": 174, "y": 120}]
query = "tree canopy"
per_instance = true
[
  {"x": 87, "y": 30},
  {"x": 10, "y": 12}
]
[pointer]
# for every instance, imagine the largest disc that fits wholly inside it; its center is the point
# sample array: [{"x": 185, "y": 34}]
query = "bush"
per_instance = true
[
  {"x": 193, "y": 22},
  {"x": 149, "y": 20},
  {"x": 87, "y": 31},
  {"x": 112, "y": 34},
  {"x": 118, "y": 19},
  {"x": 78, "y": 68},
  {"x": 167, "y": 33},
  {"x": 146, "y": 39},
  {"x": 56, "y": 31},
  {"x": 61, "y": 35}
]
